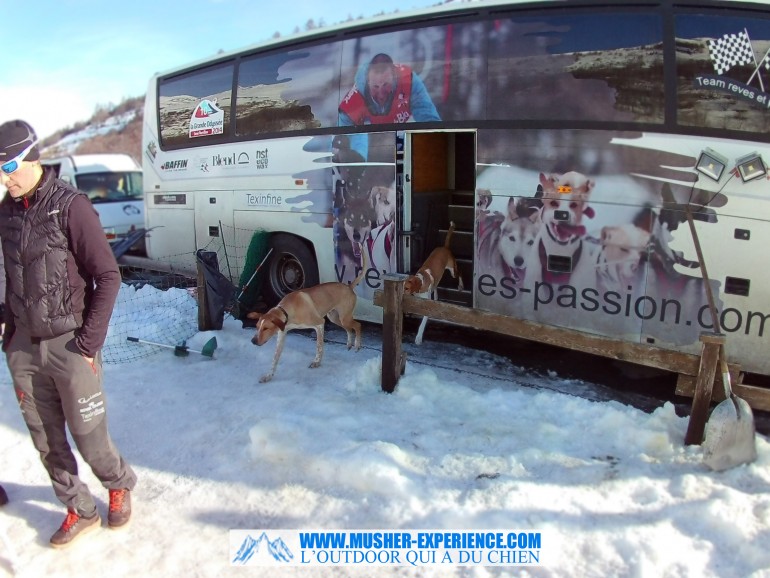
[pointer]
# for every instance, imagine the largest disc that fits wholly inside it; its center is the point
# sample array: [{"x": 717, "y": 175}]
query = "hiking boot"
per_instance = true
[
  {"x": 3, "y": 497},
  {"x": 74, "y": 526},
  {"x": 120, "y": 508}
]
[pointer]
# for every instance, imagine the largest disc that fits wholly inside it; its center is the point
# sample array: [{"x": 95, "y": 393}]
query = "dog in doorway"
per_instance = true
[{"x": 426, "y": 280}]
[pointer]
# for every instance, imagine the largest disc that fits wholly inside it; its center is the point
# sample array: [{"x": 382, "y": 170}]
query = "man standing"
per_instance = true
[
  {"x": 62, "y": 282},
  {"x": 3, "y": 494},
  {"x": 385, "y": 92}
]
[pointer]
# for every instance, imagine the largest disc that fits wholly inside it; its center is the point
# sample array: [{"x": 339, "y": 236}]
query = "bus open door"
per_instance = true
[{"x": 438, "y": 187}]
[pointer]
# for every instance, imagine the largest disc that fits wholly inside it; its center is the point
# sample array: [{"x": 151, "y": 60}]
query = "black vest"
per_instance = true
[{"x": 36, "y": 250}]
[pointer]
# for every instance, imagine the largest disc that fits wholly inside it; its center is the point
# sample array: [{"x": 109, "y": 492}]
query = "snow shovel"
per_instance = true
[
  {"x": 182, "y": 350},
  {"x": 729, "y": 437}
]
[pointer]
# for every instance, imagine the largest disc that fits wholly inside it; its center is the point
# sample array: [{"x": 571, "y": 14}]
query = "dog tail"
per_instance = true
[
  {"x": 357, "y": 280},
  {"x": 449, "y": 234}
]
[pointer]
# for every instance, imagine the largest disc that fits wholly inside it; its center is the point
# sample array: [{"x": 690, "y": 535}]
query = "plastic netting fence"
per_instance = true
[{"x": 162, "y": 306}]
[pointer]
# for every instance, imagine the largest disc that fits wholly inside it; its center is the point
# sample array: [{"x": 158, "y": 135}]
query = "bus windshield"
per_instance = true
[{"x": 112, "y": 186}]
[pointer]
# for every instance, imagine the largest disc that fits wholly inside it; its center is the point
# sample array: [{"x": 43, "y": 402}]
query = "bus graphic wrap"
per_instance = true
[{"x": 567, "y": 145}]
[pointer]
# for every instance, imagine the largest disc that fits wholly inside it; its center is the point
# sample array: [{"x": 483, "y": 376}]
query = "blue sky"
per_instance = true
[{"x": 68, "y": 56}]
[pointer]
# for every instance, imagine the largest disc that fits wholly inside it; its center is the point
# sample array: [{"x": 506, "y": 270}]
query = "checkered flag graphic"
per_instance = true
[{"x": 730, "y": 50}]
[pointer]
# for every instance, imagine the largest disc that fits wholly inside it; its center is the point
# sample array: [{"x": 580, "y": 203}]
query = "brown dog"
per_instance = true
[
  {"x": 425, "y": 281},
  {"x": 429, "y": 275},
  {"x": 306, "y": 309}
]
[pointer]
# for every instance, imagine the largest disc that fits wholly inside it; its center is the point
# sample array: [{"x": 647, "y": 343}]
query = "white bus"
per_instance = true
[{"x": 565, "y": 140}]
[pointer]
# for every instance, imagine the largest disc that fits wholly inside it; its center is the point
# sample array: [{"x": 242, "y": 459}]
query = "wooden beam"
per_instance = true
[
  {"x": 757, "y": 397},
  {"x": 642, "y": 354},
  {"x": 393, "y": 358}
]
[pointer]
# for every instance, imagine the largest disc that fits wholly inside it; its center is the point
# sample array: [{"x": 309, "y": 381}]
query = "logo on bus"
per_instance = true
[
  {"x": 180, "y": 165},
  {"x": 261, "y": 157},
  {"x": 228, "y": 161},
  {"x": 152, "y": 150},
  {"x": 263, "y": 200},
  {"x": 733, "y": 50},
  {"x": 207, "y": 119}
]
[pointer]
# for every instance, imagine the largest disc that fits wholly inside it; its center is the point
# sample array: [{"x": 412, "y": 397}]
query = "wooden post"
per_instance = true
[
  {"x": 393, "y": 358},
  {"x": 712, "y": 342}
]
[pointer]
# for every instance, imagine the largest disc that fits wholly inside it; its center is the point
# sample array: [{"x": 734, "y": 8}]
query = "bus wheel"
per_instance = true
[{"x": 292, "y": 266}]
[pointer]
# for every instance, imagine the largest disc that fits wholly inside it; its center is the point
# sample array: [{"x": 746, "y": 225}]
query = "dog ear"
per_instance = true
[
  {"x": 535, "y": 203},
  {"x": 645, "y": 219},
  {"x": 275, "y": 318},
  {"x": 279, "y": 323},
  {"x": 548, "y": 182},
  {"x": 514, "y": 208},
  {"x": 535, "y": 213}
]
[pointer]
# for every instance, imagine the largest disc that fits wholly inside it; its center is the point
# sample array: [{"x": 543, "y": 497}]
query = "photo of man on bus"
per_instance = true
[{"x": 386, "y": 92}]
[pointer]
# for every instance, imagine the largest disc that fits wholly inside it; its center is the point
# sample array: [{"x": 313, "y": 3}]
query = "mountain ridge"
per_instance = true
[{"x": 112, "y": 129}]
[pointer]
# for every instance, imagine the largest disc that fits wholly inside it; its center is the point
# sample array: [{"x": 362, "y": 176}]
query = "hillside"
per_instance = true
[{"x": 114, "y": 129}]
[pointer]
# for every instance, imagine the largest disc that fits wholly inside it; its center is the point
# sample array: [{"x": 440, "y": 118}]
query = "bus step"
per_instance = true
[
  {"x": 464, "y": 270},
  {"x": 448, "y": 295},
  {"x": 462, "y": 216},
  {"x": 465, "y": 198},
  {"x": 461, "y": 243}
]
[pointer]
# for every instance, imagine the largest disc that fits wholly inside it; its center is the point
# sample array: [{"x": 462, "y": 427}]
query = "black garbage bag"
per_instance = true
[{"x": 218, "y": 292}]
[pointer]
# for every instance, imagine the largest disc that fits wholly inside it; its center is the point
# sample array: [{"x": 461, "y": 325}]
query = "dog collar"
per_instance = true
[{"x": 284, "y": 313}]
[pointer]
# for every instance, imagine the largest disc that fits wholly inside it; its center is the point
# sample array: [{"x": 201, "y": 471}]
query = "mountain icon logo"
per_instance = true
[
  {"x": 250, "y": 546},
  {"x": 205, "y": 109}
]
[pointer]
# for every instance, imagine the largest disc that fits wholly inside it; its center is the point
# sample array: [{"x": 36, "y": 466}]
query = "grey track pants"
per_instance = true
[{"x": 55, "y": 385}]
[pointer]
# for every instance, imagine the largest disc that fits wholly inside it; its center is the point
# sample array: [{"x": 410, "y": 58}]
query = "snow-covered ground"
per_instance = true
[{"x": 465, "y": 442}]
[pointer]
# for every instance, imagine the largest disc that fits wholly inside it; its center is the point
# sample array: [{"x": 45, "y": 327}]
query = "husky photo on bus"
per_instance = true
[{"x": 566, "y": 142}]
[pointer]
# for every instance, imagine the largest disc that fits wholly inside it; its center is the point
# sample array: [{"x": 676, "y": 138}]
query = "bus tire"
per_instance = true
[{"x": 292, "y": 266}]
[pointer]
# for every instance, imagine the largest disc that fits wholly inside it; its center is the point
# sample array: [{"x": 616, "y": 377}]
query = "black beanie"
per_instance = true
[{"x": 15, "y": 137}]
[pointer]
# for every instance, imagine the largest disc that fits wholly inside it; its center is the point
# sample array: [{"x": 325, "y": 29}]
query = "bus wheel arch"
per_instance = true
[{"x": 292, "y": 265}]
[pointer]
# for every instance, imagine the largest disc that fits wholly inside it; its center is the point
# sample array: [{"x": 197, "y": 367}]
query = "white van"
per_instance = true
[{"x": 113, "y": 182}]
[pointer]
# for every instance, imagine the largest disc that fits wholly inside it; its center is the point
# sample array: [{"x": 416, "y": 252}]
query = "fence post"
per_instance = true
[
  {"x": 393, "y": 358},
  {"x": 712, "y": 342}
]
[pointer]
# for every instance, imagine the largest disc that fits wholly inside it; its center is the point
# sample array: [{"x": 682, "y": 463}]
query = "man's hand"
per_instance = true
[{"x": 90, "y": 361}]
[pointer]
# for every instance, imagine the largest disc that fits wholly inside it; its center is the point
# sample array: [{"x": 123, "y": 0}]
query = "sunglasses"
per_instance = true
[{"x": 13, "y": 165}]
